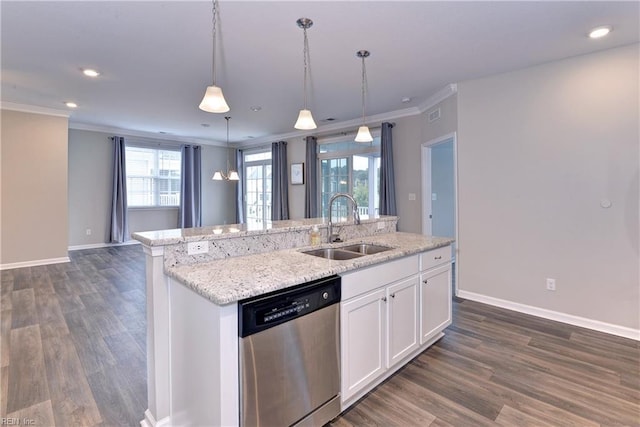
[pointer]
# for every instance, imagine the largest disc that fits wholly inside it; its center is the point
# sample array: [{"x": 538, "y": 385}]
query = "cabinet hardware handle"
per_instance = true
[
  {"x": 425, "y": 281},
  {"x": 384, "y": 299},
  {"x": 393, "y": 295},
  {"x": 438, "y": 257}
]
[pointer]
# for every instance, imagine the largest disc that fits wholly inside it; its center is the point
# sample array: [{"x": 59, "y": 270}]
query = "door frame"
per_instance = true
[{"x": 426, "y": 148}]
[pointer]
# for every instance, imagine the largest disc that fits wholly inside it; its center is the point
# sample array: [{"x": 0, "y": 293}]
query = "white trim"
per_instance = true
[
  {"x": 34, "y": 263},
  {"x": 426, "y": 193},
  {"x": 150, "y": 421},
  {"x": 102, "y": 245},
  {"x": 143, "y": 134},
  {"x": 34, "y": 109},
  {"x": 596, "y": 325},
  {"x": 438, "y": 97}
]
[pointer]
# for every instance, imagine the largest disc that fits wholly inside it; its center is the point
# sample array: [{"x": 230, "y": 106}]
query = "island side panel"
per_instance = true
[
  {"x": 158, "y": 392},
  {"x": 204, "y": 360}
]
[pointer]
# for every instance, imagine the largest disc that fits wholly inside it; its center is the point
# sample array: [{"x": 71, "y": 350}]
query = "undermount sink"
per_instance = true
[
  {"x": 331, "y": 253},
  {"x": 366, "y": 248}
]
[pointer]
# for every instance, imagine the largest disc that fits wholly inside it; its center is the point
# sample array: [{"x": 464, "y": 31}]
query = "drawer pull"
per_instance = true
[
  {"x": 425, "y": 281},
  {"x": 384, "y": 299},
  {"x": 438, "y": 257},
  {"x": 393, "y": 295}
]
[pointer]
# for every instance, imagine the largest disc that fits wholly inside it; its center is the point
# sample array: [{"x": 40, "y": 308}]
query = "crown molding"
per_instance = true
[
  {"x": 143, "y": 134},
  {"x": 438, "y": 97},
  {"x": 34, "y": 109},
  {"x": 376, "y": 120}
]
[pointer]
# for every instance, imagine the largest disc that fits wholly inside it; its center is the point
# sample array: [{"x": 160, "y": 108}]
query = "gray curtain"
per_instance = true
[
  {"x": 190, "y": 213},
  {"x": 240, "y": 188},
  {"x": 119, "y": 219},
  {"x": 311, "y": 178},
  {"x": 280, "y": 181},
  {"x": 387, "y": 180}
]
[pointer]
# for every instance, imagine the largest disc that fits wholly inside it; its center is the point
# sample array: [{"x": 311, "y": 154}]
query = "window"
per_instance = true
[
  {"x": 350, "y": 167},
  {"x": 153, "y": 177},
  {"x": 257, "y": 185}
]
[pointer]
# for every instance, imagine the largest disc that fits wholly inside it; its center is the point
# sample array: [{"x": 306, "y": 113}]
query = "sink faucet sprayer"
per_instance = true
[{"x": 356, "y": 216}]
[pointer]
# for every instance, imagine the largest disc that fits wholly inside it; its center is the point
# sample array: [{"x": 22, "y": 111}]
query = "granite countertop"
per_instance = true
[
  {"x": 232, "y": 279},
  {"x": 179, "y": 235}
]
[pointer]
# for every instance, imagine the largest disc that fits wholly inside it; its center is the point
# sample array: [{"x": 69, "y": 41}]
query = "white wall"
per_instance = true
[
  {"x": 34, "y": 188},
  {"x": 538, "y": 151}
]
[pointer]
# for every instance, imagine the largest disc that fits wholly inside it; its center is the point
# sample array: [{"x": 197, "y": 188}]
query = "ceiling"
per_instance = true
[{"x": 155, "y": 57}]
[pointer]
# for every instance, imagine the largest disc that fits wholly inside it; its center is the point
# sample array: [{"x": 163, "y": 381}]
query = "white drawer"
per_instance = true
[
  {"x": 435, "y": 257},
  {"x": 360, "y": 281}
]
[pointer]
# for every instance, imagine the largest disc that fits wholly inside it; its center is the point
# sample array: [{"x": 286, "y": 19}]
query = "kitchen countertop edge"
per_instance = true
[{"x": 233, "y": 279}]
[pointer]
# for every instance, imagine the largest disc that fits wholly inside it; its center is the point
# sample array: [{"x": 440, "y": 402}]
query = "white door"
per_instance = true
[
  {"x": 363, "y": 336},
  {"x": 402, "y": 301}
]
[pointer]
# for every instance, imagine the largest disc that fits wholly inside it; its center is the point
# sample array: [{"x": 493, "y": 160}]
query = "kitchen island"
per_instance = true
[{"x": 195, "y": 277}]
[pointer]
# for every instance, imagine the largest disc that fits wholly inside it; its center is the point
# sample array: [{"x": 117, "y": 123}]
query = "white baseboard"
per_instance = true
[
  {"x": 34, "y": 263},
  {"x": 150, "y": 421},
  {"x": 621, "y": 331},
  {"x": 101, "y": 245}
]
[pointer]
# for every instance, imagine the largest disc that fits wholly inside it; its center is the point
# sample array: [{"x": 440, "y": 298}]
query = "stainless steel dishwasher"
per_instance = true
[{"x": 289, "y": 356}]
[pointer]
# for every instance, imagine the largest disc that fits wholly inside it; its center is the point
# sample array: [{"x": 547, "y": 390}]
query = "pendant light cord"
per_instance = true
[
  {"x": 305, "y": 52},
  {"x": 214, "y": 10},
  {"x": 364, "y": 79},
  {"x": 228, "y": 162}
]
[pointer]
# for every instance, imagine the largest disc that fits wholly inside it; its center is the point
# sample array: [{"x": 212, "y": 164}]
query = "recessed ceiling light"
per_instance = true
[
  {"x": 406, "y": 99},
  {"x": 71, "y": 104},
  {"x": 205, "y": 125},
  {"x": 598, "y": 32},
  {"x": 89, "y": 72},
  {"x": 255, "y": 108}
]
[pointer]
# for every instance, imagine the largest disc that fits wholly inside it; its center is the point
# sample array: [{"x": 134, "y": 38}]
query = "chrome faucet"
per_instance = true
[{"x": 356, "y": 216}]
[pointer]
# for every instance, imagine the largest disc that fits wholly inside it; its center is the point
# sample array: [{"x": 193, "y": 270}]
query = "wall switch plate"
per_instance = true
[
  {"x": 88, "y": 232},
  {"x": 551, "y": 284},
  {"x": 412, "y": 196},
  {"x": 194, "y": 248},
  {"x": 434, "y": 196}
]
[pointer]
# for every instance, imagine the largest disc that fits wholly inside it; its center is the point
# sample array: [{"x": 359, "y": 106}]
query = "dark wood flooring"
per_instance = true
[{"x": 72, "y": 353}]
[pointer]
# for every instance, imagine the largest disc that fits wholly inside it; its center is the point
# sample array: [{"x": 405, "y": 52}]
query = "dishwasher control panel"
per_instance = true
[{"x": 265, "y": 311}]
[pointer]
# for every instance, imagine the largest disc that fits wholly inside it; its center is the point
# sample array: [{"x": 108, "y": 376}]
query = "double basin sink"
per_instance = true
[{"x": 348, "y": 252}]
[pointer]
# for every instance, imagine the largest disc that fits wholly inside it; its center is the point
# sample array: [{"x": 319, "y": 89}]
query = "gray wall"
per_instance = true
[
  {"x": 538, "y": 151},
  {"x": 408, "y": 136},
  {"x": 90, "y": 159},
  {"x": 34, "y": 187}
]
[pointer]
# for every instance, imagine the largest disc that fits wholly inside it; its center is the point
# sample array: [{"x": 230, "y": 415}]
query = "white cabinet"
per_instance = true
[
  {"x": 435, "y": 298},
  {"x": 363, "y": 328},
  {"x": 388, "y": 314},
  {"x": 379, "y": 322},
  {"x": 403, "y": 311}
]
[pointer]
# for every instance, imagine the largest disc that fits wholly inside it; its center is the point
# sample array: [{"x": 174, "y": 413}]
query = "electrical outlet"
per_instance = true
[
  {"x": 194, "y": 248},
  {"x": 551, "y": 284},
  {"x": 380, "y": 225},
  {"x": 88, "y": 232}
]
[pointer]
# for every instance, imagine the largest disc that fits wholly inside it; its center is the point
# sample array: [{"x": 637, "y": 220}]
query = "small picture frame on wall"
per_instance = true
[{"x": 297, "y": 173}]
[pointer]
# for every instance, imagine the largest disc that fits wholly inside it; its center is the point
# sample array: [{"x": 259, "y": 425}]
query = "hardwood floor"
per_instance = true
[
  {"x": 73, "y": 341},
  {"x": 72, "y": 353}
]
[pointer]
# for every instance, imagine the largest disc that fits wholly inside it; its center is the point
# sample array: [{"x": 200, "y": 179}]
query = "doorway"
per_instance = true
[{"x": 440, "y": 192}]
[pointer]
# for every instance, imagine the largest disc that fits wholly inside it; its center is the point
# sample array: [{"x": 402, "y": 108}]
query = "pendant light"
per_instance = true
[
  {"x": 231, "y": 174},
  {"x": 213, "y": 101},
  {"x": 305, "y": 119},
  {"x": 363, "y": 131}
]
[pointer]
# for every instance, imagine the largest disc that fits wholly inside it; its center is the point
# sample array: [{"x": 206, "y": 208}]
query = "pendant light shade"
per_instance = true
[
  {"x": 363, "y": 134},
  {"x": 305, "y": 119},
  {"x": 231, "y": 174},
  {"x": 213, "y": 100},
  {"x": 363, "y": 131}
]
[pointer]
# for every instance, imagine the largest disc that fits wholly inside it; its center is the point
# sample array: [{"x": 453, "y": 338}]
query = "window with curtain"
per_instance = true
[
  {"x": 153, "y": 177},
  {"x": 349, "y": 167},
  {"x": 257, "y": 187}
]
